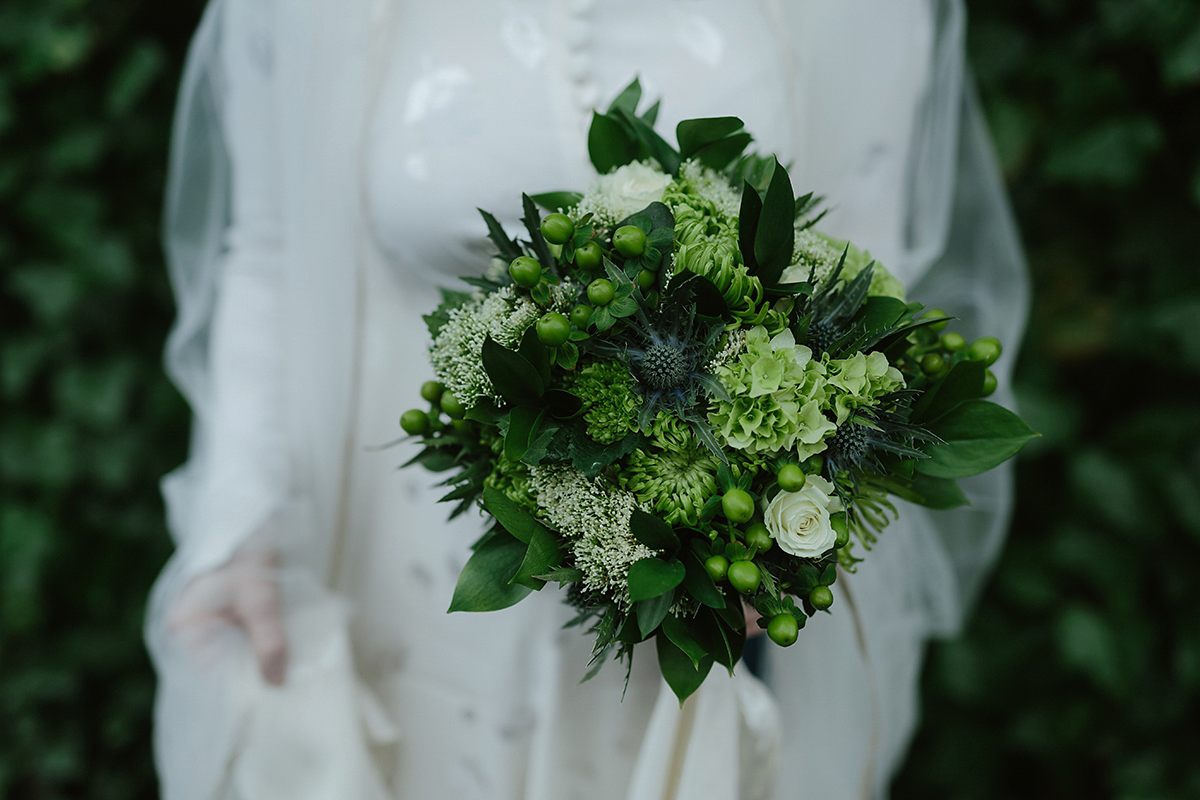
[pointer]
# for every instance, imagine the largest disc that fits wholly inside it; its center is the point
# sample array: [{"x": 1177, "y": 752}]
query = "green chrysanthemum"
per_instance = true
[
  {"x": 510, "y": 477},
  {"x": 674, "y": 475},
  {"x": 610, "y": 400}
]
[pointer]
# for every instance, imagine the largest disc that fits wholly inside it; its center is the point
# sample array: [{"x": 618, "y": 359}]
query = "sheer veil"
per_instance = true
[{"x": 961, "y": 252}]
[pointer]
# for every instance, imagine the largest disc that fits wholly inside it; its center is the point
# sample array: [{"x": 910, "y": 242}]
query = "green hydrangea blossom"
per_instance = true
[
  {"x": 857, "y": 382},
  {"x": 610, "y": 400},
  {"x": 778, "y": 393}
]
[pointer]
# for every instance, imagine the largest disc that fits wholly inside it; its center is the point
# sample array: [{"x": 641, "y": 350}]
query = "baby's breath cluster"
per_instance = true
[{"x": 594, "y": 517}]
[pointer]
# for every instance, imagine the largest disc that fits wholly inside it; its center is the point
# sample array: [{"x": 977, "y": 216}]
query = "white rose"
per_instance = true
[
  {"x": 631, "y": 188},
  {"x": 799, "y": 521}
]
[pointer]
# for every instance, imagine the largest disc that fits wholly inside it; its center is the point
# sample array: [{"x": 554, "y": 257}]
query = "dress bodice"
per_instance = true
[{"x": 481, "y": 101}]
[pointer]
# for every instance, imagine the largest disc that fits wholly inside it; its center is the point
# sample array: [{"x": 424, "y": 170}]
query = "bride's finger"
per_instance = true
[{"x": 258, "y": 606}]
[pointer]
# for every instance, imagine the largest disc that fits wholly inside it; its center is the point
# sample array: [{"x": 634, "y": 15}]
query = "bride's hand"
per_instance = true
[{"x": 243, "y": 592}]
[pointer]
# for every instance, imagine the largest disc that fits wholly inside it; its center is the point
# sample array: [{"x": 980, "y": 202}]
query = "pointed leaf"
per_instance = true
[
  {"x": 775, "y": 238},
  {"x": 695, "y": 134},
  {"x": 748, "y": 219},
  {"x": 542, "y": 555},
  {"x": 652, "y": 611},
  {"x": 652, "y": 532},
  {"x": 483, "y": 584},
  {"x": 514, "y": 377},
  {"x": 677, "y": 669},
  {"x": 677, "y": 631},
  {"x": 963, "y": 382},
  {"x": 651, "y": 577},
  {"x": 976, "y": 436},
  {"x": 514, "y": 519},
  {"x": 719, "y": 154},
  {"x": 699, "y": 584},
  {"x": 508, "y": 248},
  {"x": 557, "y": 201},
  {"x": 609, "y": 145},
  {"x": 523, "y": 425},
  {"x": 629, "y": 97}
]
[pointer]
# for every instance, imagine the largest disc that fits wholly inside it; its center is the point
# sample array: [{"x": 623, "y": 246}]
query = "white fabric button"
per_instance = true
[
  {"x": 579, "y": 67},
  {"x": 579, "y": 35}
]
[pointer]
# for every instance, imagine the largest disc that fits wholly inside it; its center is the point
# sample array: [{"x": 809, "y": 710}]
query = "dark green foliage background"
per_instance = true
[{"x": 1078, "y": 677}]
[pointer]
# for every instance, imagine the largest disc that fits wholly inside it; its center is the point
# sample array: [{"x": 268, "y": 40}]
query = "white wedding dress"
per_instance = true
[{"x": 328, "y": 161}]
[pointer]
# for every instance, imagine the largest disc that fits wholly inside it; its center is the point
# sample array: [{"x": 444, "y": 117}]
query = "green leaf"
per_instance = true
[
  {"x": 609, "y": 144},
  {"x": 483, "y": 584},
  {"x": 514, "y": 519},
  {"x": 533, "y": 221},
  {"x": 748, "y": 217},
  {"x": 557, "y": 201},
  {"x": 718, "y": 154},
  {"x": 514, "y": 377},
  {"x": 563, "y": 575},
  {"x": 523, "y": 424},
  {"x": 562, "y": 404},
  {"x": 654, "y": 144},
  {"x": 508, "y": 248},
  {"x": 775, "y": 237},
  {"x": 699, "y": 584},
  {"x": 652, "y": 532},
  {"x": 938, "y": 493},
  {"x": 963, "y": 382},
  {"x": 652, "y": 611},
  {"x": 695, "y": 134},
  {"x": 651, "y": 577},
  {"x": 677, "y": 668},
  {"x": 589, "y": 456},
  {"x": 542, "y": 555},
  {"x": 677, "y": 631},
  {"x": 623, "y": 307},
  {"x": 629, "y": 97},
  {"x": 536, "y": 353},
  {"x": 880, "y": 313},
  {"x": 976, "y": 436}
]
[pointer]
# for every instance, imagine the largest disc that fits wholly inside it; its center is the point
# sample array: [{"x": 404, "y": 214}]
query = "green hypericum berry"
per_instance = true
[
  {"x": 841, "y": 527},
  {"x": 986, "y": 349},
  {"x": 953, "y": 342},
  {"x": 737, "y": 505},
  {"x": 462, "y": 425},
  {"x": 989, "y": 383},
  {"x": 932, "y": 364},
  {"x": 744, "y": 576},
  {"x": 645, "y": 280},
  {"x": 525, "y": 271},
  {"x": 553, "y": 329},
  {"x": 934, "y": 313},
  {"x": 790, "y": 478},
  {"x": 558, "y": 228},
  {"x": 758, "y": 536},
  {"x": 414, "y": 422},
  {"x": 814, "y": 465},
  {"x": 629, "y": 241},
  {"x": 783, "y": 629},
  {"x": 451, "y": 405},
  {"x": 431, "y": 391},
  {"x": 580, "y": 315},
  {"x": 589, "y": 256},
  {"x": 717, "y": 566},
  {"x": 600, "y": 292},
  {"x": 821, "y": 598}
]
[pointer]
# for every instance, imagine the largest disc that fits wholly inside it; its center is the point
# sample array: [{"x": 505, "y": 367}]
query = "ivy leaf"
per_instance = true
[
  {"x": 975, "y": 436},
  {"x": 483, "y": 584},
  {"x": 651, "y": 577}
]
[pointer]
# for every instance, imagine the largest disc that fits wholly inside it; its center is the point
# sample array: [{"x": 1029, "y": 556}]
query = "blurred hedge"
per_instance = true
[
  {"x": 89, "y": 423},
  {"x": 1079, "y": 675}
]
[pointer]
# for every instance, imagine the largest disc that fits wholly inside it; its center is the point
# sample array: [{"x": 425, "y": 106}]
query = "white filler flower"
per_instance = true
[
  {"x": 624, "y": 191},
  {"x": 799, "y": 521}
]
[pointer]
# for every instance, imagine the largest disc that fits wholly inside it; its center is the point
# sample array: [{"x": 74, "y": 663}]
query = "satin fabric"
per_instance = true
[{"x": 307, "y": 235}]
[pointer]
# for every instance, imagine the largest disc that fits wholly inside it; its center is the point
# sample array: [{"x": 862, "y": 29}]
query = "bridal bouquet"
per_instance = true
[{"x": 677, "y": 395}]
